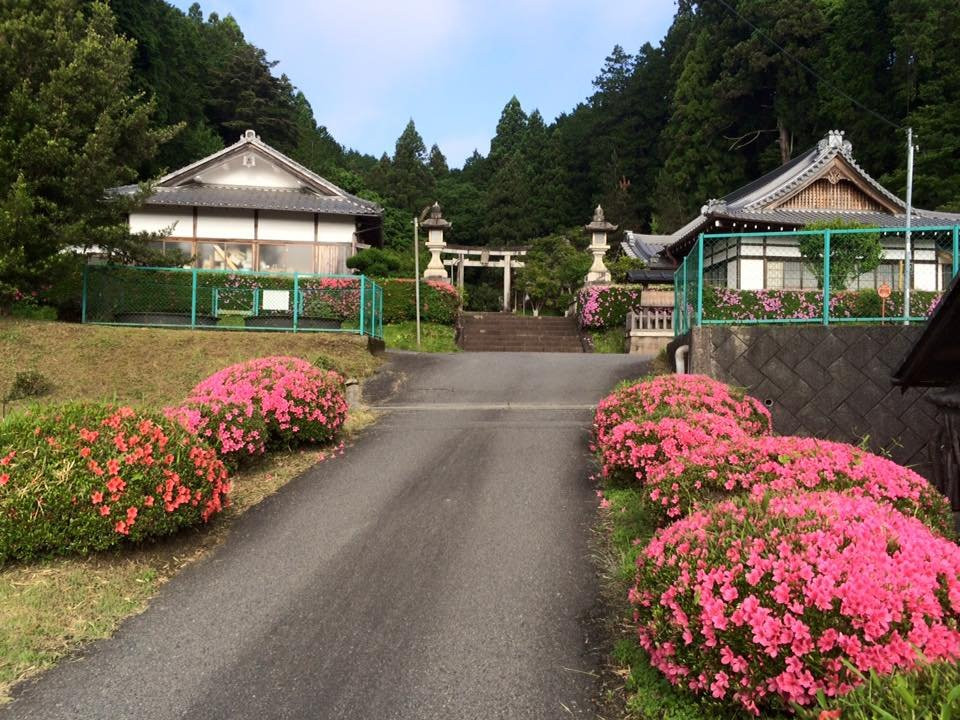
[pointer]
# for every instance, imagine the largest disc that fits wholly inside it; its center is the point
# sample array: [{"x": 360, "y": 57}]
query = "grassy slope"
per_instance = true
[
  {"x": 151, "y": 367},
  {"x": 47, "y": 609}
]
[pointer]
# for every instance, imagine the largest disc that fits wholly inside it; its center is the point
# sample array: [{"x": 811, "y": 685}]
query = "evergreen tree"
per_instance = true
[
  {"x": 56, "y": 167},
  {"x": 437, "y": 162},
  {"x": 410, "y": 184}
]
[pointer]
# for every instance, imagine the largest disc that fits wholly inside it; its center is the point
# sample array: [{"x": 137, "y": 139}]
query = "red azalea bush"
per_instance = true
[
  {"x": 699, "y": 472},
  {"x": 677, "y": 396},
  {"x": 86, "y": 477},
  {"x": 632, "y": 449},
  {"x": 278, "y": 401},
  {"x": 761, "y": 604}
]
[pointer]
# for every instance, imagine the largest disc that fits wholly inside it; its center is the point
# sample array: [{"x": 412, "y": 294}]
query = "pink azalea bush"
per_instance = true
[
  {"x": 721, "y": 466},
  {"x": 606, "y": 306},
  {"x": 633, "y": 449},
  {"x": 281, "y": 401},
  {"x": 677, "y": 396},
  {"x": 761, "y": 604}
]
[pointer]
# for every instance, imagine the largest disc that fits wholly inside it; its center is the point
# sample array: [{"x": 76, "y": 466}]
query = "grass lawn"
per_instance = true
[
  {"x": 608, "y": 341},
  {"x": 433, "y": 337},
  {"x": 48, "y": 609}
]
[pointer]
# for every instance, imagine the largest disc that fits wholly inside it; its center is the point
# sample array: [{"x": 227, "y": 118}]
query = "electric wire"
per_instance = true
[{"x": 808, "y": 69}]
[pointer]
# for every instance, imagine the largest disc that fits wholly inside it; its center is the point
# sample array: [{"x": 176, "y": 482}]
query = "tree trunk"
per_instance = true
[{"x": 786, "y": 142}]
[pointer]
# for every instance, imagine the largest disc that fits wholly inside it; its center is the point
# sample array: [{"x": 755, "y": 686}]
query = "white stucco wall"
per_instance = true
[
  {"x": 335, "y": 230},
  {"x": 159, "y": 219},
  {"x": 225, "y": 224},
  {"x": 285, "y": 226}
]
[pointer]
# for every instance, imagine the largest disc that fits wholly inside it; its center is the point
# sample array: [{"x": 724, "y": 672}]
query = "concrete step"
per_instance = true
[{"x": 505, "y": 332}]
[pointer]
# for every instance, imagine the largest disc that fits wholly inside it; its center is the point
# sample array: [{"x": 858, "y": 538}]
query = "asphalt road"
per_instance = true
[{"x": 439, "y": 569}]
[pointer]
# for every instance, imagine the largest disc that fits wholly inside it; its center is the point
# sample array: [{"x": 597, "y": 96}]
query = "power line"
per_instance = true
[{"x": 810, "y": 70}]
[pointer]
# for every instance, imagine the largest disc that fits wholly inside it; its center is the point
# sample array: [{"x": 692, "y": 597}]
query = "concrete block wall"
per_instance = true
[{"x": 829, "y": 382}]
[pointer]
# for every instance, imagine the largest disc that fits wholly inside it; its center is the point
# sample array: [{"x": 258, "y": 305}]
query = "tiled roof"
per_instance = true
[
  {"x": 750, "y": 203},
  {"x": 253, "y": 198},
  {"x": 316, "y": 194}
]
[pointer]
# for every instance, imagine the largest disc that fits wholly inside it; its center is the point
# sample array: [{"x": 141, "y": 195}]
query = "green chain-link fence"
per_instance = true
[
  {"x": 763, "y": 278},
  {"x": 229, "y": 300}
]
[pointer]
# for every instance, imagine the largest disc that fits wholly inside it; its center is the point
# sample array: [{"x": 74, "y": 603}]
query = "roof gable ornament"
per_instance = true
[{"x": 834, "y": 141}]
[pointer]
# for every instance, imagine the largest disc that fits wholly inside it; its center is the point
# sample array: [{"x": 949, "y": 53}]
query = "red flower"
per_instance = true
[
  {"x": 4, "y": 478},
  {"x": 122, "y": 528},
  {"x": 104, "y": 510},
  {"x": 96, "y": 497},
  {"x": 829, "y": 715},
  {"x": 84, "y": 452},
  {"x": 148, "y": 501}
]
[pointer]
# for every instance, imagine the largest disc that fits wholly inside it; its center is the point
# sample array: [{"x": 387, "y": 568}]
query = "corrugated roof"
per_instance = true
[
  {"x": 253, "y": 198},
  {"x": 796, "y": 218}
]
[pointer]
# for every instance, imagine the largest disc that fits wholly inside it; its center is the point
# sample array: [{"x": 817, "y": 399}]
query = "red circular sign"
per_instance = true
[{"x": 884, "y": 291}]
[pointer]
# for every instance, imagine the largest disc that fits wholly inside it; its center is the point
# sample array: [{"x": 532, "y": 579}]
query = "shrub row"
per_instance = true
[
  {"x": 785, "y": 567},
  {"x": 726, "y": 304},
  {"x": 439, "y": 301},
  {"x": 79, "y": 478}
]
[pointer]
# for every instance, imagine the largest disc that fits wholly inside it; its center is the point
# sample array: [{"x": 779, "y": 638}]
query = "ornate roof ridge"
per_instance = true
[{"x": 827, "y": 149}]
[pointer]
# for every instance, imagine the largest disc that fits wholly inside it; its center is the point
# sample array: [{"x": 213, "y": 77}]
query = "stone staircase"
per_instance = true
[{"x": 504, "y": 332}]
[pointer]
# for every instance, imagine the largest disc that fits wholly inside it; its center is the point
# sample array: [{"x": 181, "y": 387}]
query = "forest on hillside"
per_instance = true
[{"x": 734, "y": 88}]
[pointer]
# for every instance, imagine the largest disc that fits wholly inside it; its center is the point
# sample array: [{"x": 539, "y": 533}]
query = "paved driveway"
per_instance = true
[{"x": 438, "y": 570}]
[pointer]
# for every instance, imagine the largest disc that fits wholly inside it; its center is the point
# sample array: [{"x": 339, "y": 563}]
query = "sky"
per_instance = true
[{"x": 369, "y": 66}]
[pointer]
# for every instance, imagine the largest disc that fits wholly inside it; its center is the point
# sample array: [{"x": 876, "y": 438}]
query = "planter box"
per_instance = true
[
  {"x": 163, "y": 318},
  {"x": 286, "y": 322}
]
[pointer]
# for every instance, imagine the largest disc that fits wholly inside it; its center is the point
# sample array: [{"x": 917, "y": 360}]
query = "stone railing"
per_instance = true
[{"x": 650, "y": 327}]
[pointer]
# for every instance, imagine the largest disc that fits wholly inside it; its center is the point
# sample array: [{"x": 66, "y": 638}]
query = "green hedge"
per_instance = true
[
  {"x": 439, "y": 301},
  {"x": 726, "y": 304}
]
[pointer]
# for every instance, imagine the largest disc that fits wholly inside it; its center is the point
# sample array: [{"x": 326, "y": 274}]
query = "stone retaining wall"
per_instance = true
[{"x": 830, "y": 382}]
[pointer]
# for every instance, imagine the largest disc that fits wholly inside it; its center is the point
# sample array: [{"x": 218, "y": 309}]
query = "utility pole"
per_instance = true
[
  {"x": 416, "y": 272},
  {"x": 908, "y": 247}
]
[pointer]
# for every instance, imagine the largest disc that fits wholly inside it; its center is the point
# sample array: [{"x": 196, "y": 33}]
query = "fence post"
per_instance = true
[
  {"x": 826, "y": 277},
  {"x": 193, "y": 300},
  {"x": 296, "y": 300},
  {"x": 363, "y": 301},
  {"x": 86, "y": 273},
  {"x": 700, "y": 281},
  {"x": 956, "y": 247}
]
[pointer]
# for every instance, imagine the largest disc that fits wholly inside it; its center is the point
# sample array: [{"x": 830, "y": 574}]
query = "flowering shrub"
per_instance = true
[
  {"x": 675, "y": 396},
  {"x": 337, "y": 298},
  {"x": 632, "y": 449},
  {"x": 86, "y": 477},
  {"x": 268, "y": 401},
  {"x": 721, "y": 303},
  {"x": 762, "y": 603},
  {"x": 721, "y": 466},
  {"x": 439, "y": 301},
  {"x": 606, "y": 306}
]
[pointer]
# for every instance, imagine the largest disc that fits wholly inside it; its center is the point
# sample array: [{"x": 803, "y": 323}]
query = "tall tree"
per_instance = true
[
  {"x": 56, "y": 166},
  {"x": 410, "y": 181}
]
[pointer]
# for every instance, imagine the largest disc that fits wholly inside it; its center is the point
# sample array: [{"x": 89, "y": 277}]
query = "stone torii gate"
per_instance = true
[
  {"x": 463, "y": 257},
  {"x": 436, "y": 225}
]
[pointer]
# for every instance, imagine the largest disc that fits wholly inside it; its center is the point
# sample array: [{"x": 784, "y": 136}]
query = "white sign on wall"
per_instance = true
[{"x": 276, "y": 300}]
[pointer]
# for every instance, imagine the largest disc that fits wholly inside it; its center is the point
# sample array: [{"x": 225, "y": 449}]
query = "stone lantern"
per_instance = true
[
  {"x": 598, "y": 229},
  {"x": 435, "y": 225}
]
